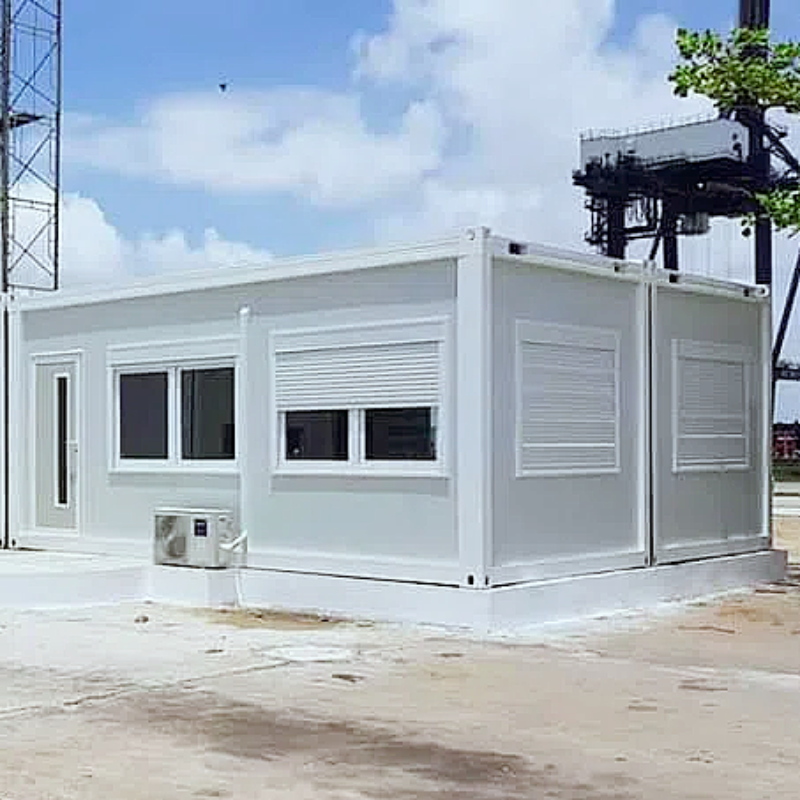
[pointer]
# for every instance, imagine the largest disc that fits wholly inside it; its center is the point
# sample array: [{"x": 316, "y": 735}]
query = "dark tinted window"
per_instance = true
[
  {"x": 62, "y": 435},
  {"x": 400, "y": 434},
  {"x": 316, "y": 436},
  {"x": 207, "y": 413},
  {"x": 143, "y": 415}
]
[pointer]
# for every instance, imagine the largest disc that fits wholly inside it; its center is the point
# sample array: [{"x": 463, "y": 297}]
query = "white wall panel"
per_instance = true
[
  {"x": 568, "y": 424},
  {"x": 708, "y": 423}
]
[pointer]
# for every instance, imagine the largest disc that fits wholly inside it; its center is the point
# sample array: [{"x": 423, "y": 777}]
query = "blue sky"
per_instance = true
[{"x": 120, "y": 58}]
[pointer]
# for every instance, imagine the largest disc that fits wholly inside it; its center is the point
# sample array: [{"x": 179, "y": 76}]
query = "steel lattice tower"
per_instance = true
[
  {"x": 30, "y": 167},
  {"x": 30, "y": 143}
]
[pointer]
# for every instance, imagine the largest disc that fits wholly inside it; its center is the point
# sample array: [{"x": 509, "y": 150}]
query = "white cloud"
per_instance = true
[
  {"x": 312, "y": 143},
  {"x": 93, "y": 250},
  {"x": 498, "y": 94},
  {"x": 521, "y": 80}
]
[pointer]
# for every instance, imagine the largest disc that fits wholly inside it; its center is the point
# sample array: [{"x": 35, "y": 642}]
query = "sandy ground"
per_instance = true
[
  {"x": 787, "y": 536},
  {"x": 149, "y": 702}
]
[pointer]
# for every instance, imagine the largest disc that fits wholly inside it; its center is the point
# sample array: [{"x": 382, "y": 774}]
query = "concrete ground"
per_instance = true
[{"x": 143, "y": 702}]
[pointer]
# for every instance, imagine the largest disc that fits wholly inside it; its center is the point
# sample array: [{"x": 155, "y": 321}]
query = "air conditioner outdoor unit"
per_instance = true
[{"x": 190, "y": 537}]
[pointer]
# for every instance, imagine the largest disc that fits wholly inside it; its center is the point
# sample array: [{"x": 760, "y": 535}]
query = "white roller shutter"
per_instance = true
[
  {"x": 330, "y": 370},
  {"x": 567, "y": 400},
  {"x": 711, "y": 417}
]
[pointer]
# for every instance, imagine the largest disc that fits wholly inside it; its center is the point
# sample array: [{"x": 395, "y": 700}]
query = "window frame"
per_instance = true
[
  {"x": 139, "y": 464},
  {"x": 362, "y": 437},
  {"x": 174, "y": 461},
  {"x": 688, "y": 349},
  {"x": 402, "y": 331},
  {"x": 57, "y": 455},
  {"x": 584, "y": 337},
  {"x": 195, "y": 367},
  {"x": 357, "y": 463}
]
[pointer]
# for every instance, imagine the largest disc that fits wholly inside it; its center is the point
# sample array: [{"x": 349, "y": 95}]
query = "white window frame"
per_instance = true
[
  {"x": 212, "y": 463},
  {"x": 400, "y": 332},
  {"x": 533, "y": 332},
  {"x": 357, "y": 463},
  {"x": 141, "y": 464},
  {"x": 306, "y": 466},
  {"x": 711, "y": 351},
  {"x": 70, "y": 411},
  {"x": 172, "y": 358}
]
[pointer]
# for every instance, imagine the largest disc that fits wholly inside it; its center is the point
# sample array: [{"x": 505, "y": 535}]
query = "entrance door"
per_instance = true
[{"x": 56, "y": 453}]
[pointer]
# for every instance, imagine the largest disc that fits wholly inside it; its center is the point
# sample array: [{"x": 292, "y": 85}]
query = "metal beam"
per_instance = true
[
  {"x": 756, "y": 14},
  {"x": 670, "y": 231},
  {"x": 616, "y": 243},
  {"x": 6, "y": 124},
  {"x": 788, "y": 307},
  {"x": 6, "y": 119}
]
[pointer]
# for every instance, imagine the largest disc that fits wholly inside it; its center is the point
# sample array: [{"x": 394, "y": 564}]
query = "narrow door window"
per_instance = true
[{"x": 62, "y": 440}]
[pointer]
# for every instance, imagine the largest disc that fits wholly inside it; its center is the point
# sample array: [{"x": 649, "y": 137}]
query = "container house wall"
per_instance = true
[
  {"x": 115, "y": 506},
  {"x": 568, "y": 484},
  {"x": 571, "y": 345},
  {"x": 710, "y": 418},
  {"x": 338, "y": 520}
]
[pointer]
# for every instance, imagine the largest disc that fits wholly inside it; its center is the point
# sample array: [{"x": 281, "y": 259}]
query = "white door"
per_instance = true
[{"x": 56, "y": 447}]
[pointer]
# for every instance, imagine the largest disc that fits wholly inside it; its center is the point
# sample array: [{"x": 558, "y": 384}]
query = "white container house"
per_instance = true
[{"x": 471, "y": 431}]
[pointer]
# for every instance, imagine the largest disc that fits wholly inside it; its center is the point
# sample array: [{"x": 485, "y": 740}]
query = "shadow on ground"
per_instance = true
[{"x": 425, "y": 769}]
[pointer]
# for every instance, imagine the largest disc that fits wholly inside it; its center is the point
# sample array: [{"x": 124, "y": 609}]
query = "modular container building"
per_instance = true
[{"x": 472, "y": 431}]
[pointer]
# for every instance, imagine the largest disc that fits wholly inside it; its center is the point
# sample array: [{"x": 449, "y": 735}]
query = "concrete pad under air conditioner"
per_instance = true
[{"x": 208, "y": 588}]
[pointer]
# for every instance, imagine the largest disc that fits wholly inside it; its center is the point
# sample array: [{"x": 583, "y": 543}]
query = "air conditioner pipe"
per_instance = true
[{"x": 229, "y": 547}]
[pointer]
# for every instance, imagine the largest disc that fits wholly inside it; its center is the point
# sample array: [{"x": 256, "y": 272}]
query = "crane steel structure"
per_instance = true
[
  {"x": 668, "y": 182},
  {"x": 664, "y": 183}
]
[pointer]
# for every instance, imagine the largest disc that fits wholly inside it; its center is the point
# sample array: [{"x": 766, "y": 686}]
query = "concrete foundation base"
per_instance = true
[
  {"x": 510, "y": 606},
  {"x": 47, "y": 580},
  {"x": 34, "y": 579}
]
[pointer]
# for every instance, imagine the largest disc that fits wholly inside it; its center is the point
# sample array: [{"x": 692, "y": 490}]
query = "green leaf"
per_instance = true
[{"x": 743, "y": 70}]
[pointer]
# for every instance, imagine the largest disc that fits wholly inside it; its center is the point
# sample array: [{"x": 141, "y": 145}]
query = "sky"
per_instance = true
[{"x": 357, "y": 122}]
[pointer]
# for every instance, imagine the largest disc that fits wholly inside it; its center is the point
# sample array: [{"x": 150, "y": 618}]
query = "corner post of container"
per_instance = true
[
  {"x": 767, "y": 401},
  {"x": 473, "y": 398}
]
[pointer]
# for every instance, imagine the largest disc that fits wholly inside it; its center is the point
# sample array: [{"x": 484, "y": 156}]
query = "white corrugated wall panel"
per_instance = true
[{"x": 709, "y": 419}]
